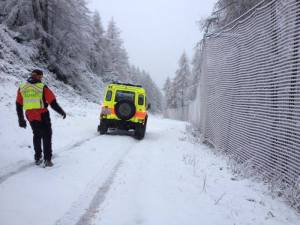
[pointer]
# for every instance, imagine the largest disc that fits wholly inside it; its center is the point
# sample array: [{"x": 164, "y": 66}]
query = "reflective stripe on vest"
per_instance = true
[{"x": 32, "y": 95}]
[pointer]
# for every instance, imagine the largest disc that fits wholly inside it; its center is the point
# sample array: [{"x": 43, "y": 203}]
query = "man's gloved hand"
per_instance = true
[
  {"x": 63, "y": 114},
  {"x": 22, "y": 123}
]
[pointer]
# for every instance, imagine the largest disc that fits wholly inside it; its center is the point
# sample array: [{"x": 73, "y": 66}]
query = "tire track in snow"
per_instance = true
[
  {"x": 99, "y": 198},
  {"x": 8, "y": 174},
  {"x": 78, "y": 143},
  {"x": 92, "y": 210},
  {"x": 20, "y": 169}
]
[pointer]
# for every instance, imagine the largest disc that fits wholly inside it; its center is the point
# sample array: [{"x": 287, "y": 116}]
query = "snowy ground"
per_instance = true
[{"x": 117, "y": 180}]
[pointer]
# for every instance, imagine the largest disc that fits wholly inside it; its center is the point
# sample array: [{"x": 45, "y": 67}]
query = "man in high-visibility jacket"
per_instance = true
[{"x": 34, "y": 96}]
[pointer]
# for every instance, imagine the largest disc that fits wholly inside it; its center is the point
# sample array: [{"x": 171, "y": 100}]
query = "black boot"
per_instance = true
[
  {"x": 48, "y": 163},
  {"x": 38, "y": 162}
]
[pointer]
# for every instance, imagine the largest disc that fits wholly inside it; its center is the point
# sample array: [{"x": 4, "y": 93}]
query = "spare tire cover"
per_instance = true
[{"x": 125, "y": 109}]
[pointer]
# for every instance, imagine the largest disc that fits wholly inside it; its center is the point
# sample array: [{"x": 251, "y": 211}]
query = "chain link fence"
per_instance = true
[{"x": 249, "y": 94}]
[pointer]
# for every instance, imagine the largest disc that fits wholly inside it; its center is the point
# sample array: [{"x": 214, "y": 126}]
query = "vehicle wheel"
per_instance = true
[
  {"x": 140, "y": 131},
  {"x": 102, "y": 128},
  {"x": 125, "y": 109}
]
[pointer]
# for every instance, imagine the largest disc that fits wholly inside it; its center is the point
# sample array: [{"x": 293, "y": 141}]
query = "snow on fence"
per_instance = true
[{"x": 250, "y": 91}]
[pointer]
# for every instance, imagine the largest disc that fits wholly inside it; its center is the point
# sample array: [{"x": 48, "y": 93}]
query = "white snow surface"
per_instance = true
[{"x": 114, "y": 179}]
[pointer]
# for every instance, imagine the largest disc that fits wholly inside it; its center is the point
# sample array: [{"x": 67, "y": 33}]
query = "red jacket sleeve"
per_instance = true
[
  {"x": 19, "y": 99},
  {"x": 49, "y": 95}
]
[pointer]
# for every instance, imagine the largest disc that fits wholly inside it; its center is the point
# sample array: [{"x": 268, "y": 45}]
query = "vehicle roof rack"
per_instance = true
[{"x": 127, "y": 84}]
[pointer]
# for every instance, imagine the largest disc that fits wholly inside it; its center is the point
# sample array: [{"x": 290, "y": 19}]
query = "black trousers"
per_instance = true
[{"x": 42, "y": 132}]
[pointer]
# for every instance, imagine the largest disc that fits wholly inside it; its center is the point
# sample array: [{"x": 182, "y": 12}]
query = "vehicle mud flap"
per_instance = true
[
  {"x": 140, "y": 131},
  {"x": 102, "y": 128}
]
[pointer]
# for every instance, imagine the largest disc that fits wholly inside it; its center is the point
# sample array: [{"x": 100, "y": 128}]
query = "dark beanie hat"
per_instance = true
[{"x": 38, "y": 72}]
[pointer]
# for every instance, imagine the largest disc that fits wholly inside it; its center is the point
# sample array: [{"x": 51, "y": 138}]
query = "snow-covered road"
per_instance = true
[{"x": 116, "y": 180}]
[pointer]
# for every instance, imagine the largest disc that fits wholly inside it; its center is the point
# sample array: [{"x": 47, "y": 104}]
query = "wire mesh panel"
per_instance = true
[{"x": 250, "y": 89}]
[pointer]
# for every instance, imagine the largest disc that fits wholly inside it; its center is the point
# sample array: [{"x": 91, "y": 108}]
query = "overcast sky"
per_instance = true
[{"x": 156, "y": 32}]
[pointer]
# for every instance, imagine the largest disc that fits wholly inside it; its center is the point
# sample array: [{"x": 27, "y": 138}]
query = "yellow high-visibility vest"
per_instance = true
[{"x": 32, "y": 95}]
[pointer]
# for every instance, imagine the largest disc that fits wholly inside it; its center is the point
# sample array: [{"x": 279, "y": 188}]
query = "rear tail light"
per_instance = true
[{"x": 106, "y": 111}]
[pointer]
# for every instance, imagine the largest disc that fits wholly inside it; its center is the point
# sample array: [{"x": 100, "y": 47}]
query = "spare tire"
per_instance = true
[{"x": 125, "y": 109}]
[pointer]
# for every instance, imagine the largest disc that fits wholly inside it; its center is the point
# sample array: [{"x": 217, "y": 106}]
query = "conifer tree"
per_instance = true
[
  {"x": 167, "y": 91},
  {"x": 182, "y": 81},
  {"x": 117, "y": 62},
  {"x": 196, "y": 72},
  {"x": 98, "y": 51}
]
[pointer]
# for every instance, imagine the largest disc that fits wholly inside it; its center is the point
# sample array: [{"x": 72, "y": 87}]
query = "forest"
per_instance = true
[{"x": 72, "y": 43}]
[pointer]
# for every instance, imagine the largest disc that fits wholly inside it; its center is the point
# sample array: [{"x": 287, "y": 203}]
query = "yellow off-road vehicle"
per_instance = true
[{"x": 124, "y": 107}]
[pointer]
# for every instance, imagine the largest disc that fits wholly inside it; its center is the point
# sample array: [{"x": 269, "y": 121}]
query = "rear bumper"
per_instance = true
[
  {"x": 136, "y": 119},
  {"x": 120, "y": 124}
]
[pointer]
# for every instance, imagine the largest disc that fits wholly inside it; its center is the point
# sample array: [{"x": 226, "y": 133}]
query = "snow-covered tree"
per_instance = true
[
  {"x": 167, "y": 92},
  {"x": 117, "y": 63},
  {"x": 154, "y": 95},
  {"x": 196, "y": 72},
  {"x": 73, "y": 44},
  {"x": 28, "y": 17},
  {"x": 225, "y": 11},
  {"x": 182, "y": 81},
  {"x": 98, "y": 52},
  {"x": 98, "y": 30}
]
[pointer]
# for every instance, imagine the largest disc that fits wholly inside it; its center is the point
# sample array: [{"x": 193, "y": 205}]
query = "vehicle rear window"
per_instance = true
[
  {"x": 108, "y": 96},
  {"x": 124, "y": 95},
  {"x": 141, "y": 100}
]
